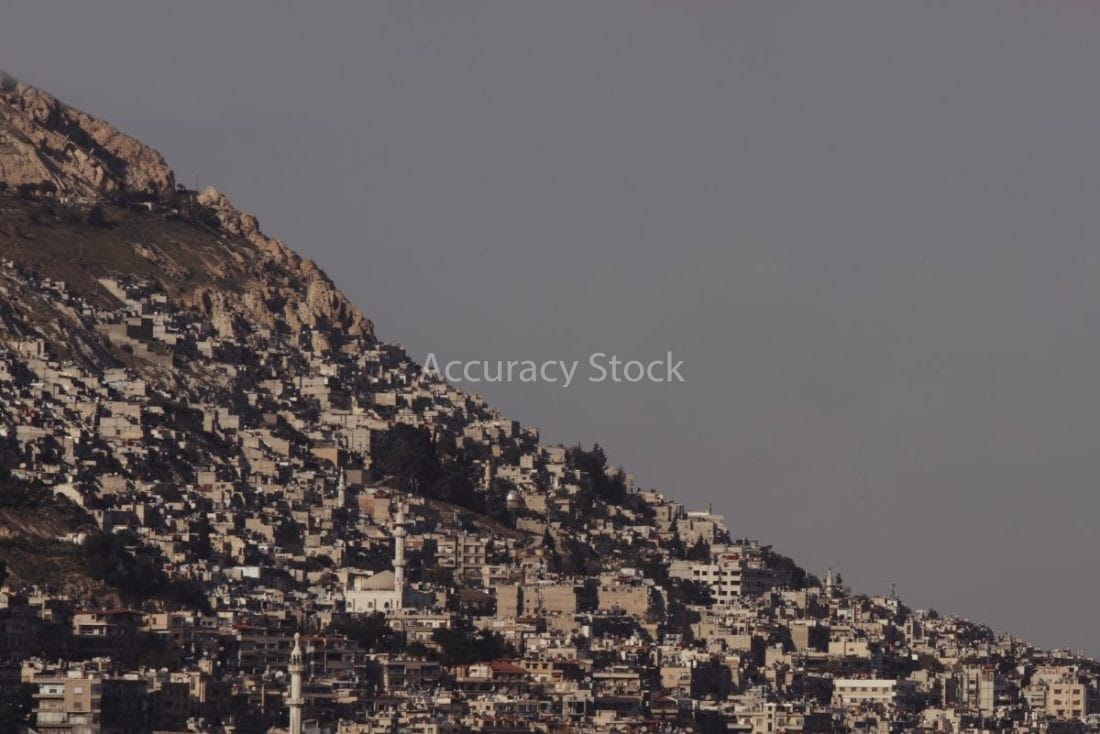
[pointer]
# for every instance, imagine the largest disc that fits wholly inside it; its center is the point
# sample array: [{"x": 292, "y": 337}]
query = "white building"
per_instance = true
[
  {"x": 871, "y": 691},
  {"x": 384, "y": 591}
]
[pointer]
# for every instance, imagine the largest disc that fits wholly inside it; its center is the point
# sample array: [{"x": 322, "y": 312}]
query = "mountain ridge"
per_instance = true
[{"x": 48, "y": 146}]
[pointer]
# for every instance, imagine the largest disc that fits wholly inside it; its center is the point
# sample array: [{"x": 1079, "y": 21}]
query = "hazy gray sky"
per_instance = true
[{"x": 870, "y": 230}]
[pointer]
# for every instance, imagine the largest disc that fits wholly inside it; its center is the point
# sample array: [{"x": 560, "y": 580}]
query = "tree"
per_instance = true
[
  {"x": 463, "y": 646},
  {"x": 681, "y": 596},
  {"x": 675, "y": 547},
  {"x": 372, "y": 632},
  {"x": 409, "y": 456},
  {"x": 700, "y": 551},
  {"x": 200, "y": 543},
  {"x": 289, "y": 534},
  {"x": 206, "y": 215},
  {"x": 96, "y": 217},
  {"x": 496, "y": 503},
  {"x": 655, "y": 568},
  {"x": 608, "y": 486},
  {"x": 690, "y": 592},
  {"x": 574, "y": 558}
]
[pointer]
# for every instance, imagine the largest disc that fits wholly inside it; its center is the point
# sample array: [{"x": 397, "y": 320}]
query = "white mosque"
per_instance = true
[
  {"x": 385, "y": 591},
  {"x": 365, "y": 594}
]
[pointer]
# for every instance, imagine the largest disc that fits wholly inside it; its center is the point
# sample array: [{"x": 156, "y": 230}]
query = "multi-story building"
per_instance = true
[
  {"x": 872, "y": 691},
  {"x": 88, "y": 703},
  {"x": 731, "y": 573}
]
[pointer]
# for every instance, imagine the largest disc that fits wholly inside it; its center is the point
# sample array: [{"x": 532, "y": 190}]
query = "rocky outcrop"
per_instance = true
[
  {"x": 244, "y": 279},
  {"x": 44, "y": 140},
  {"x": 318, "y": 305}
]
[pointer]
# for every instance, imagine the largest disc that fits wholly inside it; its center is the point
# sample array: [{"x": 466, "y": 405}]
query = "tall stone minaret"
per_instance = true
[
  {"x": 399, "y": 558},
  {"x": 295, "y": 701}
]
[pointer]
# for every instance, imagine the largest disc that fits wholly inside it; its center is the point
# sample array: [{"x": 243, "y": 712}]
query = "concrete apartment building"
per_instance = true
[
  {"x": 981, "y": 688},
  {"x": 1070, "y": 699},
  {"x": 733, "y": 572},
  {"x": 872, "y": 691},
  {"x": 90, "y": 704}
]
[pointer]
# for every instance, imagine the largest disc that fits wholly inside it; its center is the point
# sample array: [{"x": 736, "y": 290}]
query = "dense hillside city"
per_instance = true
[{"x": 226, "y": 506}]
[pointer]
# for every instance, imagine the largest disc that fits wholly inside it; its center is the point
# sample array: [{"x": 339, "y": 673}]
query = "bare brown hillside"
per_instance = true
[{"x": 80, "y": 200}]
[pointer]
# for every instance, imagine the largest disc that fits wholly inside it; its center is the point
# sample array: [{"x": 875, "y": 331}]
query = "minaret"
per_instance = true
[
  {"x": 295, "y": 700},
  {"x": 399, "y": 558}
]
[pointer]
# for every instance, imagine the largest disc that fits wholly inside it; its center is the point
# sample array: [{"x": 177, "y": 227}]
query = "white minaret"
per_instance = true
[
  {"x": 295, "y": 700},
  {"x": 342, "y": 490},
  {"x": 399, "y": 558}
]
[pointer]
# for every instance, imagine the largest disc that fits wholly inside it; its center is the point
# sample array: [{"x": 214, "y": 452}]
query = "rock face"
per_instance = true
[
  {"x": 44, "y": 140},
  {"x": 322, "y": 306},
  {"x": 231, "y": 271}
]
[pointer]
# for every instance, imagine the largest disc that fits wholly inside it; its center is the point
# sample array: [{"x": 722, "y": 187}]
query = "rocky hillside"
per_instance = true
[
  {"x": 43, "y": 140},
  {"x": 196, "y": 245},
  {"x": 112, "y": 269},
  {"x": 195, "y": 424},
  {"x": 50, "y": 542},
  {"x": 82, "y": 202}
]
